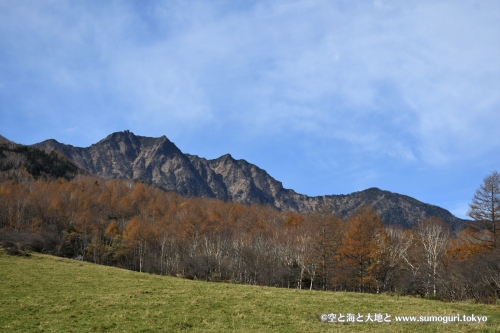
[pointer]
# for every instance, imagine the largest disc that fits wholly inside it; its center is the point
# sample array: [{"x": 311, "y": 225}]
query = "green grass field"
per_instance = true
[{"x": 48, "y": 294}]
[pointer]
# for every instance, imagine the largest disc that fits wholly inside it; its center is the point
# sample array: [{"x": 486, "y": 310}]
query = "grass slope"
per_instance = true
[{"x": 49, "y": 294}]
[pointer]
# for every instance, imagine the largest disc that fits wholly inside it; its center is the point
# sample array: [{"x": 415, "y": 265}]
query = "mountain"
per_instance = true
[
  {"x": 4, "y": 139},
  {"x": 19, "y": 161},
  {"x": 155, "y": 161},
  {"x": 158, "y": 162}
]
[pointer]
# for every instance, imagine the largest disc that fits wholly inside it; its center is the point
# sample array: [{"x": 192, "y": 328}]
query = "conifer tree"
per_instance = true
[{"x": 485, "y": 210}]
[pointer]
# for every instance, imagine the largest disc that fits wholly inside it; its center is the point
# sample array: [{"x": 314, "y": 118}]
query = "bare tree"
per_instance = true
[
  {"x": 485, "y": 209},
  {"x": 433, "y": 237},
  {"x": 397, "y": 253}
]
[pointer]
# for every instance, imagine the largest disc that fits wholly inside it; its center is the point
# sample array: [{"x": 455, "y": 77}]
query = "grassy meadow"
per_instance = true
[{"x": 42, "y": 293}]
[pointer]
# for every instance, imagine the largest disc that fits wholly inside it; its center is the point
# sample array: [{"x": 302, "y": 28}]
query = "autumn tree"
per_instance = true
[
  {"x": 327, "y": 234},
  {"x": 465, "y": 245},
  {"x": 361, "y": 251},
  {"x": 140, "y": 236},
  {"x": 135, "y": 226},
  {"x": 485, "y": 210}
]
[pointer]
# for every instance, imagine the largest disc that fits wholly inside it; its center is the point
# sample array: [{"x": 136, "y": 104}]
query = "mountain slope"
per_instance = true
[
  {"x": 36, "y": 163},
  {"x": 124, "y": 155},
  {"x": 157, "y": 161},
  {"x": 4, "y": 139},
  {"x": 45, "y": 293}
]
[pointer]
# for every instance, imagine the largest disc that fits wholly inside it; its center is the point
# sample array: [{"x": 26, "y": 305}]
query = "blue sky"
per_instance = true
[{"x": 329, "y": 97}]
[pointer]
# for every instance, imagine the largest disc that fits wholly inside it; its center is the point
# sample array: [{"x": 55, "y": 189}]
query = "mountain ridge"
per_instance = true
[
  {"x": 4, "y": 139},
  {"x": 159, "y": 162},
  {"x": 20, "y": 162}
]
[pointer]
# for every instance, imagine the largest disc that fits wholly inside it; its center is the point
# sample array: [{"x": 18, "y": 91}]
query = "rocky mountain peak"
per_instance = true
[
  {"x": 159, "y": 162},
  {"x": 167, "y": 147},
  {"x": 50, "y": 142},
  {"x": 226, "y": 158}
]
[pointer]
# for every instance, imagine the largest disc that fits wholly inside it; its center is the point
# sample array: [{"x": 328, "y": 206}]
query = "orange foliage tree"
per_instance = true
[{"x": 361, "y": 252}]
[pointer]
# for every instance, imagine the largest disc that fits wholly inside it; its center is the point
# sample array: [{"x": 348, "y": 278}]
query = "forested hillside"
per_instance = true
[
  {"x": 138, "y": 227},
  {"x": 19, "y": 161}
]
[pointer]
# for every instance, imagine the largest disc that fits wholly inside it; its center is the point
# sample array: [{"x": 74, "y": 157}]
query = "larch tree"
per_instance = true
[
  {"x": 139, "y": 235},
  {"x": 328, "y": 233},
  {"x": 361, "y": 250},
  {"x": 485, "y": 210}
]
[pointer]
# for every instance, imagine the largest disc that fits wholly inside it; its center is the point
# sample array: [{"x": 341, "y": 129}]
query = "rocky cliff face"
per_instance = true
[{"x": 157, "y": 161}]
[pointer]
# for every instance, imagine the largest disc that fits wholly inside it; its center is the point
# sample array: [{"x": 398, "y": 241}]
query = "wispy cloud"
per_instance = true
[
  {"x": 356, "y": 72},
  {"x": 414, "y": 82}
]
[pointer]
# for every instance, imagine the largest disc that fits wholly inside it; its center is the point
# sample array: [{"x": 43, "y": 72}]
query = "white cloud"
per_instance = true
[{"x": 415, "y": 81}]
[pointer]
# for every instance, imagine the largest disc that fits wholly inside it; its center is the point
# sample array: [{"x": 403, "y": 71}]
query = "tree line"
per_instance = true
[{"x": 134, "y": 226}]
